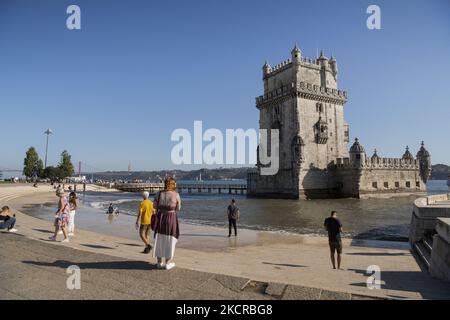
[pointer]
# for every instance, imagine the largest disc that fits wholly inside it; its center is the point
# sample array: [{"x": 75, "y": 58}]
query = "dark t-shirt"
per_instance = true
[
  {"x": 233, "y": 212},
  {"x": 333, "y": 226}
]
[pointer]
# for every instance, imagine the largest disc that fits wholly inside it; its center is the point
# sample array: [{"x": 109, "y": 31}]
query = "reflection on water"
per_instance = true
[{"x": 386, "y": 219}]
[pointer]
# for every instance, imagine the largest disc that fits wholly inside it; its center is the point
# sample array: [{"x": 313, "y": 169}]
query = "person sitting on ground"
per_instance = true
[
  {"x": 334, "y": 228},
  {"x": 144, "y": 216},
  {"x": 7, "y": 219}
]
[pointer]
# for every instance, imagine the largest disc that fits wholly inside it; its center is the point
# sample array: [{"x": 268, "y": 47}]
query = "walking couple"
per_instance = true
[{"x": 161, "y": 217}]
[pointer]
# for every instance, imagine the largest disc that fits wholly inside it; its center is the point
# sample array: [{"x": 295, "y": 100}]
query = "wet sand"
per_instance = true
[{"x": 194, "y": 237}]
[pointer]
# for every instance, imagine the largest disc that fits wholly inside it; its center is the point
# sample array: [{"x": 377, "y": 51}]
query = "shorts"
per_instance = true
[
  {"x": 62, "y": 221},
  {"x": 144, "y": 229},
  {"x": 335, "y": 246}
]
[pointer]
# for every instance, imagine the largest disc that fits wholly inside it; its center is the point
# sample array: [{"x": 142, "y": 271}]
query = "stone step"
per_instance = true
[{"x": 423, "y": 253}]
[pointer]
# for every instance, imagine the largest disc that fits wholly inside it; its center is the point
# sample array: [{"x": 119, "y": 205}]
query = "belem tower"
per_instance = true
[{"x": 301, "y": 98}]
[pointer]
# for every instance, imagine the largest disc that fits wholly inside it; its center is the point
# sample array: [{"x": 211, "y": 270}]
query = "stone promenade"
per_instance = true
[{"x": 31, "y": 269}]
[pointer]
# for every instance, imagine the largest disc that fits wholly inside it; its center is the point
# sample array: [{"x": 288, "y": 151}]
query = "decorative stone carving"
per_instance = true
[
  {"x": 321, "y": 128},
  {"x": 298, "y": 156}
]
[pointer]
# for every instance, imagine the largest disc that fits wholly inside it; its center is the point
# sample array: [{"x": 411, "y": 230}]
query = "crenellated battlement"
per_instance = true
[
  {"x": 302, "y": 61},
  {"x": 378, "y": 163},
  {"x": 280, "y": 67},
  {"x": 308, "y": 90}
]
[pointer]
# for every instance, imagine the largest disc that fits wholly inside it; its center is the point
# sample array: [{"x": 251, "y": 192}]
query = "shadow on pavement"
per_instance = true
[
  {"x": 96, "y": 246},
  {"x": 375, "y": 254},
  {"x": 106, "y": 265},
  {"x": 43, "y": 230},
  {"x": 410, "y": 281},
  {"x": 286, "y": 265}
]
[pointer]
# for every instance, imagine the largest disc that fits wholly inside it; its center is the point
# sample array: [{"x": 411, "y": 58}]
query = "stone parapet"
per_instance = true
[
  {"x": 425, "y": 216},
  {"x": 305, "y": 90},
  {"x": 379, "y": 163},
  {"x": 440, "y": 255}
]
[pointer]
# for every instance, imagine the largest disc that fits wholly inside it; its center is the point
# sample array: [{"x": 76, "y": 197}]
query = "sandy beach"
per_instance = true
[{"x": 260, "y": 256}]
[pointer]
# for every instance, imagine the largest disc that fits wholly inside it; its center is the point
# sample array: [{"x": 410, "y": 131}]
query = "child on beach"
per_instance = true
[
  {"x": 7, "y": 219},
  {"x": 62, "y": 216},
  {"x": 73, "y": 202}
]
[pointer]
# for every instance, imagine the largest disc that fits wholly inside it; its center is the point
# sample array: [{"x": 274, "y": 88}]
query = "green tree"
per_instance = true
[
  {"x": 65, "y": 167},
  {"x": 32, "y": 165},
  {"x": 51, "y": 173}
]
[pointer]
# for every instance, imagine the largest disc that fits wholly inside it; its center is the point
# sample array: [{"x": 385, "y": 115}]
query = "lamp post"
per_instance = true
[{"x": 47, "y": 132}]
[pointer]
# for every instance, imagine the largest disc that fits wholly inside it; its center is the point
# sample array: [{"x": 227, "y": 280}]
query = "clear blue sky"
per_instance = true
[{"x": 114, "y": 90}]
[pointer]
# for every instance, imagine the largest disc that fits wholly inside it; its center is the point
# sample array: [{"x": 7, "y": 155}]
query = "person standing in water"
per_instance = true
[
  {"x": 110, "y": 209},
  {"x": 233, "y": 217},
  {"x": 167, "y": 230},
  {"x": 144, "y": 216},
  {"x": 73, "y": 202},
  {"x": 61, "y": 216},
  {"x": 334, "y": 228}
]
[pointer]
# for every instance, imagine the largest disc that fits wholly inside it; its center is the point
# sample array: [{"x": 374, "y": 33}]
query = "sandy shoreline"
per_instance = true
[
  {"x": 258, "y": 255},
  {"x": 195, "y": 237}
]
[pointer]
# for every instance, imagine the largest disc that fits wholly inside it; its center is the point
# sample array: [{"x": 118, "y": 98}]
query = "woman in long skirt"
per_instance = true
[{"x": 167, "y": 230}]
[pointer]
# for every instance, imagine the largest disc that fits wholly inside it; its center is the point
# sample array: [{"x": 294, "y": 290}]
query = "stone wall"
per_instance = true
[
  {"x": 281, "y": 185},
  {"x": 424, "y": 217},
  {"x": 390, "y": 181},
  {"x": 440, "y": 255}
]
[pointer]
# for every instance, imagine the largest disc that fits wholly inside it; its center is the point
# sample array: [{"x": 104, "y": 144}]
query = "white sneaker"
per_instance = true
[
  {"x": 170, "y": 266},
  {"x": 12, "y": 230},
  {"x": 65, "y": 240},
  {"x": 60, "y": 232}
]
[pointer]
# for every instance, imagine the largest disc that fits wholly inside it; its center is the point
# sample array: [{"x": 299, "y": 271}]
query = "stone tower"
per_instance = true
[{"x": 302, "y": 100}]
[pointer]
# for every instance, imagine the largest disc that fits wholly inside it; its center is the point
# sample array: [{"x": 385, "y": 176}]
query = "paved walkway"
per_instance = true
[
  {"x": 31, "y": 269},
  {"x": 304, "y": 263}
]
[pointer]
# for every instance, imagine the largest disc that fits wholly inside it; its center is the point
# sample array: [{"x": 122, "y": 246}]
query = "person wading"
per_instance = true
[
  {"x": 233, "y": 217},
  {"x": 334, "y": 228},
  {"x": 145, "y": 217}
]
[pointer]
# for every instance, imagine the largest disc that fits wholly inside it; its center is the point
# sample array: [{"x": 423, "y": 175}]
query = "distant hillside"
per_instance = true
[
  {"x": 206, "y": 174},
  {"x": 440, "y": 172}
]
